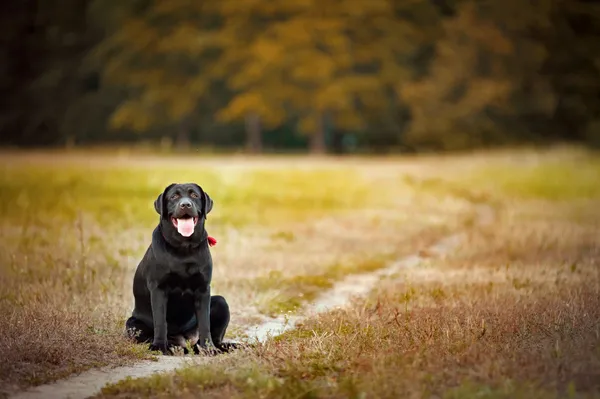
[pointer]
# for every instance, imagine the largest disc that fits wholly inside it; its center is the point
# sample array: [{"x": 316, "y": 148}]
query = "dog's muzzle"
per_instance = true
[{"x": 185, "y": 218}]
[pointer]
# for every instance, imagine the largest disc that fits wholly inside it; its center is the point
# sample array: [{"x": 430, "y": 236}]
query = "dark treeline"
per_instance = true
[{"x": 327, "y": 75}]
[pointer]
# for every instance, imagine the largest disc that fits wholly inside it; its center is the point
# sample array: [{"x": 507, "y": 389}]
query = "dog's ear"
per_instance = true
[
  {"x": 159, "y": 202},
  {"x": 207, "y": 202}
]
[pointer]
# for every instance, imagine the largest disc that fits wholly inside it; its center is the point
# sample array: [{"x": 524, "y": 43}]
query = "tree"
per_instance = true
[
  {"x": 42, "y": 46},
  {"x": 318, "y": 61},
  {"x": 256, "y": 96},
  {"x": 469, "y": 72},
  {"x": 573, "y": 70},
  {"x": 162, "y": 54},
  {"x": 485, "y": 70}
]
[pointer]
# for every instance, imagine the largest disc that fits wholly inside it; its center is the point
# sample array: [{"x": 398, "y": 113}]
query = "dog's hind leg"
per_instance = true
[
  {"x": 219, "y": 318},
  {"x": 178, "y": 341},
  {"x": 138, "y": 331},
  {"x": 219, "y": 321}
]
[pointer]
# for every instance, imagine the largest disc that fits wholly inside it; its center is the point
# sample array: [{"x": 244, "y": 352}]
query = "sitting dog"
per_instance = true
[{"x": 171, "y": 286}]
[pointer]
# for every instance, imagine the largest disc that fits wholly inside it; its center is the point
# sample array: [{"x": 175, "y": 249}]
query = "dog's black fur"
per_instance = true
[{"x": 171, "y": 286}]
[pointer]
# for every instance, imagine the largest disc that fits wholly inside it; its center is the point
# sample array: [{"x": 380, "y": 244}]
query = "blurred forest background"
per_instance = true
[{"x": 303, "y": 75}]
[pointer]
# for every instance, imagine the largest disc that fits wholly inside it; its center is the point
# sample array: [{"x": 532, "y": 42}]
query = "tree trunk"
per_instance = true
[
  {"x": 337, "y": 142},
  {"x": 317, "y": 140},
  {"x": 182, "y": 140},
  {"x": 253, "y": 134}
]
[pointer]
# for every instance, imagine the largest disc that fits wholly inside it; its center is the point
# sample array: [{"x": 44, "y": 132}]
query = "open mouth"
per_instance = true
[{"x": 185, "y": 225}]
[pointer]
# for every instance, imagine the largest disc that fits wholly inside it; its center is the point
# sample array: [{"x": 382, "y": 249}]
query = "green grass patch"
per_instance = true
[
  {"x": 294, "y": 291},
  {"x": 507, "y": 390},
  {"x": 124, "y": 197},
  {"x": 567, "y": 180},
  {"x": 443, "y": 187},
  {"x": 571, "y": 178},
  {"x": 564, "y": 181},
  {"x": 218, "y": 379}
]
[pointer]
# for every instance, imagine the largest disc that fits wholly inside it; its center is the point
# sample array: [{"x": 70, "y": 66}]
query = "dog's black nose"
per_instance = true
[{"x": 185, "y": 204}]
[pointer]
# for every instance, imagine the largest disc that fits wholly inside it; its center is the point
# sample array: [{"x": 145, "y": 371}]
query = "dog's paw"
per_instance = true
[
  {"x": 231, "y": 346},
  {"x": 207, "y": 350},
  {"x": 164, "y": 348}
]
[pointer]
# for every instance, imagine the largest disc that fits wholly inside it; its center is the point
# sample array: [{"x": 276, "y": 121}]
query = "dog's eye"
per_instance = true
[
  {"x": 174, "y": 197},
  {"x": 194, "y": 195}
]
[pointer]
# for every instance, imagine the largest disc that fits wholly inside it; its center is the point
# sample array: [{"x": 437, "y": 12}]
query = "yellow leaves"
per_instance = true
[
  {"x": 146, "y": 78},
  {"x": 243, "y": 104},
  {"x": 197, "y": 85},
  {"x": 311, "y": 56},
  {"x": 307, "y": 61},
  {"x": 131, "y": 114},
  {"x": 255, "y": 103},
  {"x": 460, "y": 86},
  {"x": 251, "y": 74},
  {"x": 266, "y": 51},
  {"x": 312, "y": 67},
  {"x": 180, "y": 104},
  {"x": 332, "y": 97},
  {"x": 429, "y": 102},
  {"x": 261, "y": 7},
  {"x": 154, "y": 105},
  {"x": 486, "y": 91},
  {"x": 361, "y": 83},
  {"x": 494, "y": 39},
  {"x": 475, "y": 28},
  {"x": 137, "y": 35},
  {"x": 321, "y": 26},
  {"x": 310, "y": 123},
  {"x": 415, "y": 92},
  {"x": 339, "y": 94},
  {"x": 178, "y": 7},
  {"x": 367, "y": 9},
  {"x": 468, "y": 77},
  {"x": 350, "y": 120},
  {"x": 186, "y": 39},
  {"x": 294, "y": 32}
]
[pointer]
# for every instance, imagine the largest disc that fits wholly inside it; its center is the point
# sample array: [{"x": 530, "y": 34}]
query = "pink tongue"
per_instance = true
[{"x": 185, "y": 227}]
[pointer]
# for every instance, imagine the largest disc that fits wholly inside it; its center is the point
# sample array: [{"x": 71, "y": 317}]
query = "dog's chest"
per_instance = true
[{"x": 187, "y": 280}]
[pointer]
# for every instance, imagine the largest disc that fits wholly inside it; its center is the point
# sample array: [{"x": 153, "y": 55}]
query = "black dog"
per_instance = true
[{"x": 171, "y": 286}]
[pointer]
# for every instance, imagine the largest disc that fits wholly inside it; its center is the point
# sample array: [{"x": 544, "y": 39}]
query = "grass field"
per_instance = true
[{"x": 514, "y": 312}]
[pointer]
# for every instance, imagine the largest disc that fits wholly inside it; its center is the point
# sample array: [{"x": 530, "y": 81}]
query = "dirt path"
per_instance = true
[
  {"x": 91, "y": 382},
  {"x": 345, "y": 290}
]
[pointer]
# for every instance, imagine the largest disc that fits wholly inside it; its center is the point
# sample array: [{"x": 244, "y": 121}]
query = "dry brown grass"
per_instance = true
[
  {"x": 61, "y": 304},
  {"x": 72, "y": 229},
  {"x": 513, "y": 313}
]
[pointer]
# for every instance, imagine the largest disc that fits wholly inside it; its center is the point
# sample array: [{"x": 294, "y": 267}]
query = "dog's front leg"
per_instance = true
[
  {"x": 158, "y": 301},
  {"x": 202, "y": 304}
]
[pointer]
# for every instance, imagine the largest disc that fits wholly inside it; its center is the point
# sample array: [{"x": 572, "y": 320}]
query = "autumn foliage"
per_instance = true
[{"x": 424, "y": 74}]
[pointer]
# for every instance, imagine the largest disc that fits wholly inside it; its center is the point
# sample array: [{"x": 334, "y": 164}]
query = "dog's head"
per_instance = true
[{"x": 183, "y": 209}]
